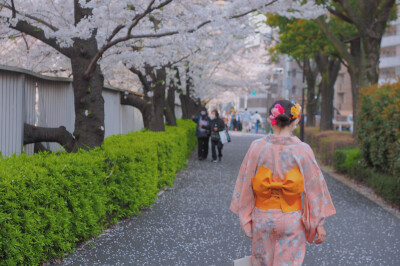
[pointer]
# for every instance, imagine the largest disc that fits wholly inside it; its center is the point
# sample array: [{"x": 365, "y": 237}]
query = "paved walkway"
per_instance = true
[{"x": 191, "y": 224}]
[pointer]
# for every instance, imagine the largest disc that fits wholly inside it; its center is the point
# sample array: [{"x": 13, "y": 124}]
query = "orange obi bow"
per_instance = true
[{"x": 284, "y": 195}]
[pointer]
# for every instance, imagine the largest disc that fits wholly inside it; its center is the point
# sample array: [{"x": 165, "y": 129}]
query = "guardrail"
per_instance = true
[{"x": 344, "y": 121}]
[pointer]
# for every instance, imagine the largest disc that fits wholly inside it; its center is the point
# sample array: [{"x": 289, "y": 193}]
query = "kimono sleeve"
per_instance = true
[
  {"x": 318, "y": 199},
  {"x": 243, "y": 199}
]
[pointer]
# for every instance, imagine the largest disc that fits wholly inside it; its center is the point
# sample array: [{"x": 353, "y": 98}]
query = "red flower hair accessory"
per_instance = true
[{"x": 275, "y": 112}]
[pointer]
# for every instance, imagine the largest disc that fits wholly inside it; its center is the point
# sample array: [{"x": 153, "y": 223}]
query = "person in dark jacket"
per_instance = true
[
  {"x": 216, "y": 125},
  {"x": 202, "y": 133}
]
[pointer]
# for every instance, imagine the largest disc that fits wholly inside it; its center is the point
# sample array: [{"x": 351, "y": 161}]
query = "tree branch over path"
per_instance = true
[
  {"x": 36, "y": 32},
  {"x": 41, "y": 21},
  {"x": 110, "y": 43},
  {"x": 142, "y": 78}
]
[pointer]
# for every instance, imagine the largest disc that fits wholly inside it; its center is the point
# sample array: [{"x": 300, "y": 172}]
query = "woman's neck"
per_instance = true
[{"x": 282, "y": 132}]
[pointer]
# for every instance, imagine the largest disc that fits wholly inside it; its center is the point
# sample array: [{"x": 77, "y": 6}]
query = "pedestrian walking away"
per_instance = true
[
  {"x": 234, "y": 121},
  {"x": 202, "y": 133},
  {"x": 216, "y": 125},
  {"x": 231, "y": 120},
  {"x": 257, "y": 121},
  {"x": 246, "y": 117},
  {"x": 239, "y": 125},
  {"x": 278, "y": 173}
]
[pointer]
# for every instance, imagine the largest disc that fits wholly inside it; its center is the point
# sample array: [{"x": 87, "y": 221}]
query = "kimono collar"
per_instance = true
[{"x": 282, "y": 140}]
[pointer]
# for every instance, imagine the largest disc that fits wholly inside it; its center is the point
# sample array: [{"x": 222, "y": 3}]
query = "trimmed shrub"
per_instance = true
[
  {"x": 350, "y": 162},
  {"x": 378, "y": 127},
  {"x": 51, "y": 202},
  {"x": 308, "y": 133},
  {"x": 325, "y": 143},
  {"x": 344, "y": 159}
]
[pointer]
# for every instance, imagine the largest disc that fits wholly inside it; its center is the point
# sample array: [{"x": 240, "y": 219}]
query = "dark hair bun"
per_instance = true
[{"x": 283, "y": 120}]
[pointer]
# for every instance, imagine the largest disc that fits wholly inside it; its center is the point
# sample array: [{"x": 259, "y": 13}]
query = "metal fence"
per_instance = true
[{"x": 27, "y": 97}]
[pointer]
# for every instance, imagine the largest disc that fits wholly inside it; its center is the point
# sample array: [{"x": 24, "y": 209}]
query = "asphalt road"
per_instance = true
[{"x": 191, "y": 224}]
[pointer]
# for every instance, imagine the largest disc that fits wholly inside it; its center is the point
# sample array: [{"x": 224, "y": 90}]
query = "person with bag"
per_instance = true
[
  {"x": 280, "y": 194},
  {"x": 202, "y": 133},
  {"x": 216, "y": 125}
]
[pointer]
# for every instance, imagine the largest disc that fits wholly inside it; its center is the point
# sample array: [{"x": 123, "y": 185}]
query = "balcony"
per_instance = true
[
  {"x": 387, "y": 62},
  {"x": 388, "y": 41}
]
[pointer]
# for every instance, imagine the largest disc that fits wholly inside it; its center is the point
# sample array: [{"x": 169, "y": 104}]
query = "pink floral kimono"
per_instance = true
[{"x": 274, "y": 174}]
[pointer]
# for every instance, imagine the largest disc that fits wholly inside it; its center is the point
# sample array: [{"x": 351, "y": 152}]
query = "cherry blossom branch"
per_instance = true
[
  {"x": 14, "y": 12},
  {"x": 253, "y": 10},
  {"x": 111, "y": 43},
  {"x": 181, "y": 59},
  {"x": 141, "y": 77},
  {"x": 38, "y": 33},
  {"x": 129, "y": 36}
]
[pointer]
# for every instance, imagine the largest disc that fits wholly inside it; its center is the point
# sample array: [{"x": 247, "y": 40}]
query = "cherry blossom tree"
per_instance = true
[
  {"x": 135, "y": 34},
  {"x": 82, "y": 31}
]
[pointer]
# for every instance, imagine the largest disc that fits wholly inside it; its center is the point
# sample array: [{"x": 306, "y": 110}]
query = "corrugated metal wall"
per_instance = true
[
  {"x": 26, "y": 97},
  {"x": 130, "y": 120},
  {"x": 11, "y": 113},
  {"x": 111, "y": 113},
  {"x": 56, "y": 107}
]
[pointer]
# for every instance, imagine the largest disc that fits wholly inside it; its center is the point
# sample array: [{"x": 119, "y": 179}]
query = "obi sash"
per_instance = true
[{"x": 284, "y": 195}]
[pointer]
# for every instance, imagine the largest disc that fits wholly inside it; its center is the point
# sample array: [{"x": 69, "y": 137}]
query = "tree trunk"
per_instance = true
[
  {"x": 372, "y": 48},
  {"x": 158, "y": 99},
  {"x": 190, "y": 106},
  {"x": 311, "y": 106},
  {"x": 357, "y": 76},
  {"x": 33, "y": 134},
  {"x": 169, "y": 111},
  {"x": 363, "y": 59},
  {"x": 152, "y": 103},
  {"x": 329, "y": 69},
  {"x": 89, "y": 102}
]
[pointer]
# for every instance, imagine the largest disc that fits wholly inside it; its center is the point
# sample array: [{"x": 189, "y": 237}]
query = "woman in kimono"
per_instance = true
[{"x": 276, "y": 172}]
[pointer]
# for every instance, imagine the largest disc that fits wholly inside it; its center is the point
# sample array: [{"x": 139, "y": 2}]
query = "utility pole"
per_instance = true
[{"x": 302, "y": 104}]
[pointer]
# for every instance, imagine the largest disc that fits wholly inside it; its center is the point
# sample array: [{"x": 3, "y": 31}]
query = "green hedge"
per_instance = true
[
  {"x": 51, "y": 202},
  {"x": 350, "y": 161},
  {"x": 378, "y": 127}
]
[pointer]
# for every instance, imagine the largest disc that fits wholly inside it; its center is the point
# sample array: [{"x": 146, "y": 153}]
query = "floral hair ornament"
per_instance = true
[
  {"x": 275, "y": 112},
  {"x": 295, "y": 111}
]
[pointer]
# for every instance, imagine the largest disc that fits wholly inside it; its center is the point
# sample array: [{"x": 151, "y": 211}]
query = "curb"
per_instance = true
[{"x": 363, "y": 190}]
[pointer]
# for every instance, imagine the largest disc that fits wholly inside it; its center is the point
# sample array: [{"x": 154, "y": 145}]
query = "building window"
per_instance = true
[
  {"x": 390, "y": 31},
  {"x": 388, "y": 51},
  {"x": 294, "y": 90},
  {"x": 294, "y": 72},
  {"x": 387, "y": 73},
  {"x": 340, "y": 99}
]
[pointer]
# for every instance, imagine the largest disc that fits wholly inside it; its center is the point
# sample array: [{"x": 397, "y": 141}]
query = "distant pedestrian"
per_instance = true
[
  {"x": 257, "y": 121},
  {"x": 276, "y": 171},
  {"x": 216, "y": 125},
  {"x": 246, "y": 118},
  {"x": 234, "y": 121},
  {"x": 202, "y": 133},
  {"x": 231, "y": 118},
  {"x": 238, "y": 118}
]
